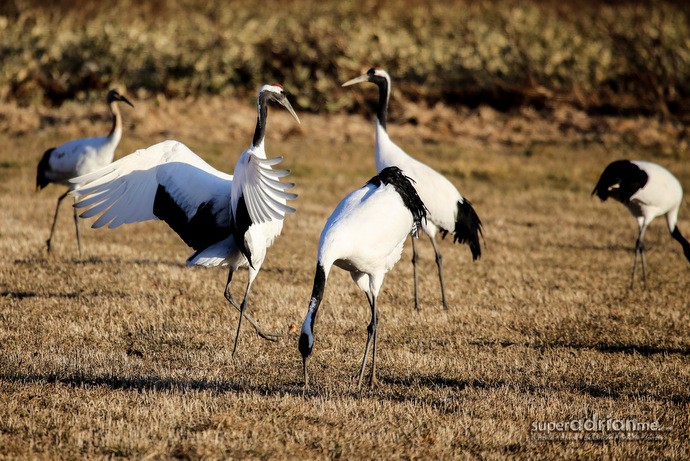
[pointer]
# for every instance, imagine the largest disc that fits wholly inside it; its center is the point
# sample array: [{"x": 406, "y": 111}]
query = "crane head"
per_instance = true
[
  {"x": 113, "y": 96},
  {"x": 276, "y": 93},
  {"x": 374, "y": 75}
]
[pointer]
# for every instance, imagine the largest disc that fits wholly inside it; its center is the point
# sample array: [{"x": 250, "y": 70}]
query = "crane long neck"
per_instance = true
[
  {"x": 683, "y": 241},
  {"x": 260, "y": 130},
  {"x": 306, "y": 340},
  {"x": 382, "y": 109},
  {"x": 116, "y": 130}
]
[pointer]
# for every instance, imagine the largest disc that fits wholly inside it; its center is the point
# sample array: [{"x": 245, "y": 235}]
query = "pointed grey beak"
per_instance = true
[
  {"x": 123, "y": 99},
  {"x": 306, "y": 375},
  {"x": 360, "y": 79},
  {"x": 286, "y": 104}
]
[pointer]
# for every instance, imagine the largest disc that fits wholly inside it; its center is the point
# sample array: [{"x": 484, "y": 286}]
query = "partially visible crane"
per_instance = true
[
  {"x": 79, "y": 157},
  {"x": 448, "y": 211},
  {"x": 648, "y": 190}
]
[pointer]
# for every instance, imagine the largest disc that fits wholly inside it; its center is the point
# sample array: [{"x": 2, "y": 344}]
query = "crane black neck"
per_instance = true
[
  {"x": 117, "y": 118},
  {"x": 260, "y": 130},
  {"x": 682, "y": 240},
  {"x": 382, "y": 109}
]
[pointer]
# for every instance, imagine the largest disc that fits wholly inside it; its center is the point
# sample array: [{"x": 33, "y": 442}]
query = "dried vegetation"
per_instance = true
[{"x": 125, "y": 353}]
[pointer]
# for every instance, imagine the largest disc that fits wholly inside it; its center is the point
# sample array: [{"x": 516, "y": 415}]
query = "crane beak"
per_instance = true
[
  {"x": 360, "y": 79},
  {"x": 123, "y": 99},
  {"x": 306, "y": 375},
  {"x": 286, "y": 104}
]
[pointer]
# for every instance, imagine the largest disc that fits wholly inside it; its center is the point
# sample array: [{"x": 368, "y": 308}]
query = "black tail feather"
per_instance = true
[
  {"x": 200, "y": 231},
  {"x": 403, "y": 185},
  {"x": 468, "y": 228}
]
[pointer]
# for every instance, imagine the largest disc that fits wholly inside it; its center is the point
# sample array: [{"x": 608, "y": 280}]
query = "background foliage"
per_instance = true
[{"x": 614, "y": 57}]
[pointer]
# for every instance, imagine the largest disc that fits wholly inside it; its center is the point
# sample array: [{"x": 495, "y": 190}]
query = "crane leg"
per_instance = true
[
  {"x": 243, "y": 306},
  {"x": 372, "y": 379},
  {"x": 52, "y": 228},
  {"x": 264, "y": 334},
  {"x": 371, "y": 333},
  {"x": 414, "y": 271},
  {"x": 76, "y": 226},
  {"x": 639, "y": 251},
  {"x": 644, "y": 267},
  {"x": 439, "y": 263},
  {"x": 632, "y": 281}
]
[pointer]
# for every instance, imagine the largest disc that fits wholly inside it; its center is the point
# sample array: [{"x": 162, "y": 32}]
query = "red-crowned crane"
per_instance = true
[
  {"x": 228, "y": 221},
  {"x": 648, "y": 190},
  {"x": 364, "y": 236},
  {"x": 448, "y": 211},
  {"x": 79, "y": 157}
]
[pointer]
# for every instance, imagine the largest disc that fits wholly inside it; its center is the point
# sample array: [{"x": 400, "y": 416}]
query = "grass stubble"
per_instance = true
[{"x": 126, "y": 352}]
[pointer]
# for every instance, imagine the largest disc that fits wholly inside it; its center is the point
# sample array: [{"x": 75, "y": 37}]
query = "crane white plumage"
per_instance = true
[
  {"x": 228, "y": 221},
  {"x": 364, "y": 236},
  {"x": 78, "y": 157},
  {"x": 648, "y": 190},
  {"x": 448, "y": 211}
]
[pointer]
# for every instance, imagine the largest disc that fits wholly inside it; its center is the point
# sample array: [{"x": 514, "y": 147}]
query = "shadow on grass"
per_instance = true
[
  {"x": 32, "y": 294},
  {"x": 155, "y": 383},
  {"x": 630, "y": 349},
  {"x": 98, "y": 261},
  {"x": 617, "y": 248},
  {"x": 21, "y": 295},
  {"x": 389, "y": 387},
  {"x": 436, "y": 381}
]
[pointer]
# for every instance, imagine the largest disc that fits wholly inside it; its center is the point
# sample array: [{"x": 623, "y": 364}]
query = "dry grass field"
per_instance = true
[{"x": 125, "y": 353}]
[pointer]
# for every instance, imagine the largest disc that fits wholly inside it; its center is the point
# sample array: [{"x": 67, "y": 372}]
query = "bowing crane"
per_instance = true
[
  {"x": 647, "y": 190},
  {"x": 364, "y": 236}
]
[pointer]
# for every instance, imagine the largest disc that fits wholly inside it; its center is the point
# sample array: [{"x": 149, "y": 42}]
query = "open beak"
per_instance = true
[
  {"x": 360, "y": 79},
  {"x": 286, "y": 104}
]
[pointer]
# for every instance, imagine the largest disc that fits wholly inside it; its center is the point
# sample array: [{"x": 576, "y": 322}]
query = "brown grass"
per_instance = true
[{"x": 126, "y": 352}]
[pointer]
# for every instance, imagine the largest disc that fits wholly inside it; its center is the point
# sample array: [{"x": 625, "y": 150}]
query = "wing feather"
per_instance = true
[
  {"x": 126, "y": 191},
  {"x": 264, "y": 194}
]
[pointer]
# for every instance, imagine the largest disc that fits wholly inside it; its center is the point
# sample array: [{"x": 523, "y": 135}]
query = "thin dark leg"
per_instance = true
[
  {"x": 644, "y": 267},
  {"x": 264, "y": 334},
  {"x": 439, "y": 263},
  {"x": 372, "y": 379},
  {"x": 76, "y": 226},
  {"x": 370, "y": 332},
  {"x": 414, "y": 270},
  {"x": 52, "y": 228},
  {"x": 639, "y": 250}
]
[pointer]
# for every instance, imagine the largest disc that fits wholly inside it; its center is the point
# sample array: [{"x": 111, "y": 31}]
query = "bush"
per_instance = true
[{"x": 618, "y": 57}]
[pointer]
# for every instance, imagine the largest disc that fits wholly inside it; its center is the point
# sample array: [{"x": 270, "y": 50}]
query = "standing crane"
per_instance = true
[
  {"x": 648, "y": 190},
  {"x": 448, "y": 211},
  {"x": 228, "y": 220},
  {"x": 364, "y": 236},
  {"x": 79, "y": 157}
]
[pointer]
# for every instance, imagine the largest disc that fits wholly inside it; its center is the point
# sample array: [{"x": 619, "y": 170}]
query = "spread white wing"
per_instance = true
[
  {"x": 259, "y": 184},
  {"x": 165, "y": 181}
]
